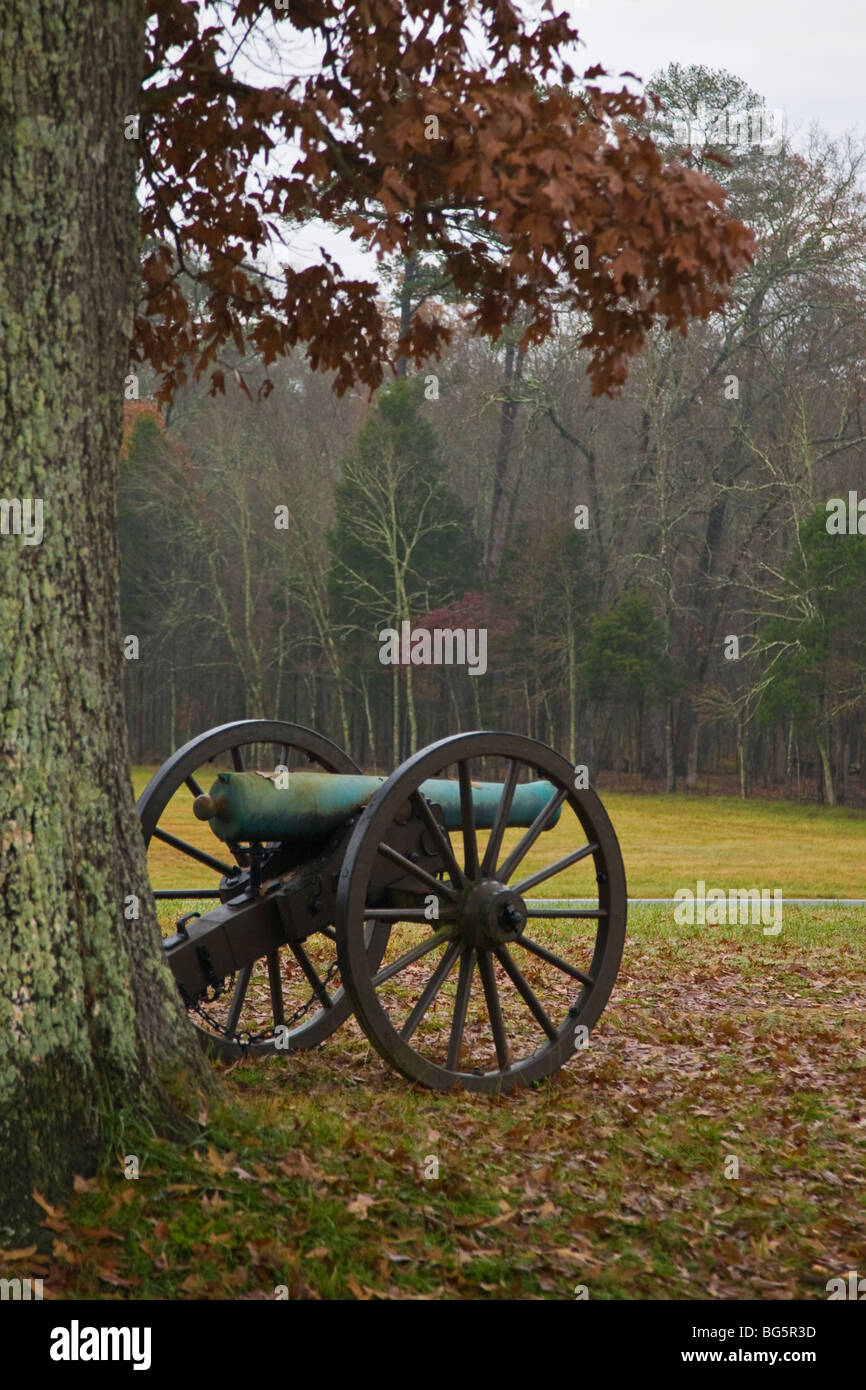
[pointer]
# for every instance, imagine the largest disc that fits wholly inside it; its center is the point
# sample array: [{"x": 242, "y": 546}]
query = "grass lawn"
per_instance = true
[
  {"x": 668, "y": 842},
  {"x": 709, "y": 1143}
]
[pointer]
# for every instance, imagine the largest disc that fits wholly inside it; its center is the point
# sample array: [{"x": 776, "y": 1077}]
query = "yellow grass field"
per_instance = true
[
  {"x": 707, "y": 1144},
  {"x": 668, "y": 842}
]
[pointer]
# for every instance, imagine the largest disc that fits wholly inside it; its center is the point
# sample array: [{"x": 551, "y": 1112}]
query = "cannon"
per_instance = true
[{"x": 410, "y": 900}]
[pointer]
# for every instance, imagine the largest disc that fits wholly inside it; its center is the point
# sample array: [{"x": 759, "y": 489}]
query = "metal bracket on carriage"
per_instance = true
[{"x": 253, "y": 921}]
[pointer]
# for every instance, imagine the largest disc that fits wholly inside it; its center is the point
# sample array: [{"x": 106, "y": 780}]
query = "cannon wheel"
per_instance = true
[
  {"x": 484, "y": 997},
  {"x": 243, "y": 742}
]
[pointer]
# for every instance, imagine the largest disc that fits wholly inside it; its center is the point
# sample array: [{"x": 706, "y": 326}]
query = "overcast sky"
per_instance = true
[{"x": 806, "y": 59}]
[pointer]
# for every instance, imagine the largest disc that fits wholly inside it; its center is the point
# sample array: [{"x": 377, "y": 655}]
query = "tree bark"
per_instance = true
[
  {"x": 829, "y": 792},
  {"x": 410, "y": 265},
  {"x": 514, "y": 360},
  {"x": 670, "y": 770},
  {"x": 91, "y": 1023}
]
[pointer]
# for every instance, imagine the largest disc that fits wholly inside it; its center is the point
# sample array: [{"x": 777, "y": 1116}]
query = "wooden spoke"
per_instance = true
[
  {"x": 434, "y": 884},
  {"x": 491, "y": 994},
  {"x": 186, "y": 893},
  {"x": 431, "y": 989},
  {"x": 553, "y": 959},
  {"x": 200, "y": 856},
  {"x": 500, "y": 821},
  {"x": 552, "y": 869},
  {"x": 275, "y": 980},
  {"x": 566, "y": 912},
  {"x": 461, "y": 1005},
  {"x": 524, "y": 989},
  {"x": 312, "y": 974},
  {"x": 238, "y": 997},
  {"x": 467, "y": 818},
  {"x": 415, "y": 915},
  {"x": 193, "y": 785},
  {"x": 238, "y": 760},
  {"x": 408, "y": 957},
  {"x": 541, "y": 820},
  {"x": 439, "y": 837}
]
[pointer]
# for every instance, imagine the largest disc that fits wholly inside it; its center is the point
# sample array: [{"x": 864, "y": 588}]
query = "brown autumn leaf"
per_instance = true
[
  {"x": 219, "y": 1163},
  {"x": 55, "y": 1213},
  {"x": 108, "y": 1274},
  {"x": 359, "y": 1206},
  {"x": 360, "y": 1292},
  {"x": 524, "y": 153}
]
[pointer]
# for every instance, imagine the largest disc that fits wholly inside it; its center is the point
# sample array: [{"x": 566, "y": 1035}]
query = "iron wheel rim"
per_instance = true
[
  {"x": 155, "y": 799},
  {"x": 359, "y": 978}
]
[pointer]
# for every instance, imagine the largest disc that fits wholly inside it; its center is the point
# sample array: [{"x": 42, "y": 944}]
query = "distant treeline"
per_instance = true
[{"x": 661, "y": 587}]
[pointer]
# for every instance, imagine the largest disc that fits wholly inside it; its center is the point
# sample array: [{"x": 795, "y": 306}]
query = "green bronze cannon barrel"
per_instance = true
[{"x": 250, "y": 806}]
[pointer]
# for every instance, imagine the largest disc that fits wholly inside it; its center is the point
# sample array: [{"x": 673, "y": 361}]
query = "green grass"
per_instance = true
[
  {"x": 668, "y": 842},
  {"x": 718, "y": 1042}
]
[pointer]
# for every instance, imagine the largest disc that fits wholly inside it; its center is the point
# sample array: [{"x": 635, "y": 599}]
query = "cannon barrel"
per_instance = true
[{"x": 249, "y": 806}]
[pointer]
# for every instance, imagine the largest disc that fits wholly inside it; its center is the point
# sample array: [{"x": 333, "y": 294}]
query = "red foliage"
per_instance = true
[{"x": 525, "y": 153}]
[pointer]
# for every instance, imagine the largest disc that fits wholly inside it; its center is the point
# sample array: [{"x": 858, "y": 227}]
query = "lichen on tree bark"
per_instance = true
[{"x": 90, "y": 1021}]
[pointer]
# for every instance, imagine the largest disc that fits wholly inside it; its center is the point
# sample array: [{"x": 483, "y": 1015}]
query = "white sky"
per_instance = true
[{"x": 807, "y": 59}]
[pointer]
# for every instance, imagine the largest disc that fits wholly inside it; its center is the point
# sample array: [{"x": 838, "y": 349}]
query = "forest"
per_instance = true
[
  {"x": 667, "y": 580},
  {"x": 380, "y": 372}
]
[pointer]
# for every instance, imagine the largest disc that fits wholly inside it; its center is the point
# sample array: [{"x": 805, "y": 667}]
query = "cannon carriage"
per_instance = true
[{"x": 470, "y": 908}]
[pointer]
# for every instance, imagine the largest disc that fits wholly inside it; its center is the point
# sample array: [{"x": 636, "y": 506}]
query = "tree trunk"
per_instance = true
[
  {"x": 90, "y": 1015},
  {"x": 514, "y": 359},
  {"x": 670, "y": 770},
  {"x": 789, "y": 758},
  {"x": 827, "y": 770},
  {"x": 476, "y": 702},
  {"x": 395, "y": 717},
  {"x": 410, "y": 710},
  {"x": 692, "y": 761},
  {"x": 410, "y": 264},
  {"x": 572, "y": 689},
  {"x": 587, "y": 748},
  {"x": 339, "y": 686},
  {"x": 843, "y": 761},
  {"x": 368, "y": 717}
]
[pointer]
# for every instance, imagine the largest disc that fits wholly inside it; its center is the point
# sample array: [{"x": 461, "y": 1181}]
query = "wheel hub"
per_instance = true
[{"x": 491, "y": 915}]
